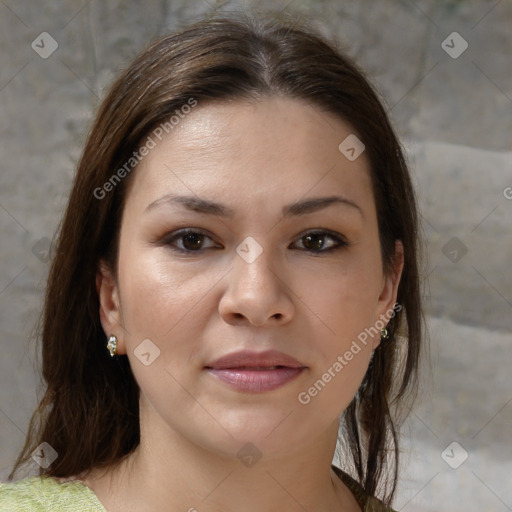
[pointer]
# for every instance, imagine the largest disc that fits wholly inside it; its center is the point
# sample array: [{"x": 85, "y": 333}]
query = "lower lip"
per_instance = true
[{"x": 256, "y": 381}]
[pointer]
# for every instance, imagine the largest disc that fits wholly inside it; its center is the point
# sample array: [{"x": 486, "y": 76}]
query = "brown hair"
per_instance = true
[{"x": 83, "y": 415}]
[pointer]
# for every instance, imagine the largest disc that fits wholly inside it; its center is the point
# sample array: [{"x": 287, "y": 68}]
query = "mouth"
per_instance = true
[{"x": 255, "y": 372}]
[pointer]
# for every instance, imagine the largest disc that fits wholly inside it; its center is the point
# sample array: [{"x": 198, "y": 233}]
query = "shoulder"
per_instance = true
[
  {"x": 43, "y": 493},
  {"x": 23, "y": 495},
  {"x": 367, "y": 503}
]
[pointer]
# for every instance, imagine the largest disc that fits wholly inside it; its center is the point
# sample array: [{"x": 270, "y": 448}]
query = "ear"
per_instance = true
[
  {"x": 389, "y": 292},
  {"x": 110, "y": 310}
]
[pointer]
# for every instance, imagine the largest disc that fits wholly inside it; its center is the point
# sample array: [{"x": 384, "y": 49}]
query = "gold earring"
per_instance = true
[
  {"x": 384, "y": 333},
  {"x": 112, "y": 345}
]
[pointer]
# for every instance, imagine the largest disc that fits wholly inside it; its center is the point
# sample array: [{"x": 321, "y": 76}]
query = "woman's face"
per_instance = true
[{"x": 259, "y": 272}]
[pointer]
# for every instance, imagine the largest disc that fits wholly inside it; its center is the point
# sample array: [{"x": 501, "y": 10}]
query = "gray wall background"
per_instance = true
[{"x": 453, "y": 111}]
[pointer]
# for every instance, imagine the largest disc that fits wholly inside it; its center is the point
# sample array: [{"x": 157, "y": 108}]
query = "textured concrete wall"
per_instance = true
[{"x": 452, "y": 107}]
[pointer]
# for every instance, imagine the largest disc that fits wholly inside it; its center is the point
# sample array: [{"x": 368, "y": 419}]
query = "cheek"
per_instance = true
[
  {"x": 346, "y": 300},
  {"x": 346, "y": 304},
  {"x": 156, "y": 297},
  {"x": 163, "y": 305},
  {"x": 171, "y": 304},
  {"x": 343, "y": 347}
]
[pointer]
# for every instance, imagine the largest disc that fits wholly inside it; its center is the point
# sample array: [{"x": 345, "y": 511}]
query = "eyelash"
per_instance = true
[{"x": 177, "y": 235}]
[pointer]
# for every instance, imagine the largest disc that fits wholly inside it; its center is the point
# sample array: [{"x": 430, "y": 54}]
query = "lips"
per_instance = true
[
  {"x": 246, "y": 359},
  {"x": 255, "y": 372}
]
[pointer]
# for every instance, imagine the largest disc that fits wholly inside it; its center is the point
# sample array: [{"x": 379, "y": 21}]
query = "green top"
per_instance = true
[{"x": 47, "y": 494}]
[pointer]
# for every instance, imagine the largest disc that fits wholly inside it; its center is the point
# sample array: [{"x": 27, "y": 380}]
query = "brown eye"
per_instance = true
[
  {"x": 188, "y": 240},
  {"x": 192, "y": 241},
  {"x": 315, "y": 241}
]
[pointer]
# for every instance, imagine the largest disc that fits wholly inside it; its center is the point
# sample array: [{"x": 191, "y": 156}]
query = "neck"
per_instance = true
[{"x": 169, "y": 472}]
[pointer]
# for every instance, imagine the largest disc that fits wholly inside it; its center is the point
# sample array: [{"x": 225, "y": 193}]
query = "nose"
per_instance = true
[{"x": 257, "y": 294}]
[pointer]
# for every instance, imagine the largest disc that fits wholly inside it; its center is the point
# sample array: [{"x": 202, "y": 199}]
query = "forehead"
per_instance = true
[{"x": 252, "y": 153}]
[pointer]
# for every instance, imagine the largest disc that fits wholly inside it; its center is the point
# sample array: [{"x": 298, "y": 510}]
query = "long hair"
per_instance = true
[{"x": 82, "y": 414}]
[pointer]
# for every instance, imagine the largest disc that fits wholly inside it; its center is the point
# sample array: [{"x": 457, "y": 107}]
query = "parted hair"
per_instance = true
[{"x": 89, "y": 407}]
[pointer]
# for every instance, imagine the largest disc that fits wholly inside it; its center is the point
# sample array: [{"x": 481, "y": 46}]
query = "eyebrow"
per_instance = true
[{"x": 208, "y": 207}]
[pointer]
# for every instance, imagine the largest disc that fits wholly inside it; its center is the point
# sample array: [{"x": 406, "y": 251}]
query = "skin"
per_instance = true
[{"x": 254, "y": 157}]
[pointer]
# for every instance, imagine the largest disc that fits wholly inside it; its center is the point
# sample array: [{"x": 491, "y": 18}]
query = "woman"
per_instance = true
[{"x": 235, "y": 281}]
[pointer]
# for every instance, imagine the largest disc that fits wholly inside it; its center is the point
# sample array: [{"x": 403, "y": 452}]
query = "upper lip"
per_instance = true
[{"x": 250, "y": 359}]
